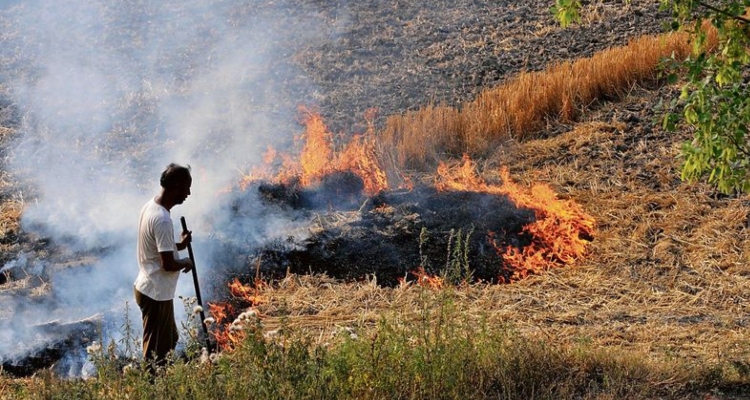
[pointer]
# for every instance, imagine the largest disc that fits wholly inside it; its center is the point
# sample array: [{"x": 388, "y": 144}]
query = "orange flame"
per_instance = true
[
  {"x": 229, "y": 335},
  {"x": 318, "y": 158},
  {"x": 248, "y": 293},
  {"x": 426, "y": 280},
  {"x": 560, "y": 234},
  {"x": 360, "y": 158},
  {"x": 226, "y": 338},
  {"x": 317, "y": 154}
]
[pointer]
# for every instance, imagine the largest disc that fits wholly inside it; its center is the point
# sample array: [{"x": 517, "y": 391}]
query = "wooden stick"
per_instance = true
[{"x": 197, "y": 287}]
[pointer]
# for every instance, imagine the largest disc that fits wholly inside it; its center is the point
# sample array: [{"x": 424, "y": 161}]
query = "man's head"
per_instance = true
[{"x": 176, "y": 182}]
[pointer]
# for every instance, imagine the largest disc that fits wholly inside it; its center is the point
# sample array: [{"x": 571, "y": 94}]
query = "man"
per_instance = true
[{"x": 159, "y": 264}]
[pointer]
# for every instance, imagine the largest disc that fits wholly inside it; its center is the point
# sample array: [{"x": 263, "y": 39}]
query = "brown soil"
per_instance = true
[{"x": 401, "y": 56}]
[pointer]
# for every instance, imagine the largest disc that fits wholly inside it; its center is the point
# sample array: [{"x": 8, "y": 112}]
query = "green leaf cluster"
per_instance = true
[
  {"x": 567, "y": 12},
  {"x": 715, "y": 96},
  {"x": 714, "y": 103}
]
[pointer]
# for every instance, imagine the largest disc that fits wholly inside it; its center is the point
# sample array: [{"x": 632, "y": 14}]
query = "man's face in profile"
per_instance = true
[{"x": 182, "y": 191}]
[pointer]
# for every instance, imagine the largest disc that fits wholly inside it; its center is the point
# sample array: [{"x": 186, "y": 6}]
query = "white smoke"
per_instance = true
[{"x": 108, "y": 94}]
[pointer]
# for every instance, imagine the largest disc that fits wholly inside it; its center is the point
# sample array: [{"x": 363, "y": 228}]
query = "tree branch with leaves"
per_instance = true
[{"x": 715, "y": 97}]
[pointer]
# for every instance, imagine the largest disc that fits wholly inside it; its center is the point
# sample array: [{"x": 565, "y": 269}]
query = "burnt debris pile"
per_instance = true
[{"x": 350, "y": 236}]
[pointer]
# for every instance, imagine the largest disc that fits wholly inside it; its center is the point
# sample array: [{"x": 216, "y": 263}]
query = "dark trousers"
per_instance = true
[{"x": 159, "y": 328}]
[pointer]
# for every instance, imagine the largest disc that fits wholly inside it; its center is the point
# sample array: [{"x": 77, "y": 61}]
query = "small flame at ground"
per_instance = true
[
  {"x": 424, "y": 279},
  {"x": 229, "y": 335}
]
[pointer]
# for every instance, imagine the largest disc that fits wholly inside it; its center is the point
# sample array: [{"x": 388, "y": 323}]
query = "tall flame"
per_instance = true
[
  {"x": 560, "y": 234},
  {"x": 317, "y": 154},
  {"x": 318, "y": 158}
]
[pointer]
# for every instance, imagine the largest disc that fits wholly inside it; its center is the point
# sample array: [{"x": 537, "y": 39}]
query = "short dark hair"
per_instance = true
[{"x": 175, "y": 174}]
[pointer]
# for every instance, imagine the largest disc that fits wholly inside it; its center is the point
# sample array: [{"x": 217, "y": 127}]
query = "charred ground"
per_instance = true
[{"x": 389, "y": 235}]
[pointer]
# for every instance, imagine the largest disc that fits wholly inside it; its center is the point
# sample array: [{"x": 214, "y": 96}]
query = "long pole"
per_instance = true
[{"x": 197, "y": 287}]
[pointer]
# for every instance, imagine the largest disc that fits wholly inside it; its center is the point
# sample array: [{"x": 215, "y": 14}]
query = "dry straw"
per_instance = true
[
  {"x": 522, "y": 107},
  {"x": 667, "y": 276}
]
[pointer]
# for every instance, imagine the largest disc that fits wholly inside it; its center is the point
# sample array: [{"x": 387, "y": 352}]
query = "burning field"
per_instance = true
[
  {"x": 361, "y": 224},
  {"x": 579, "y": 231},
  {"x": 452, "y": 227}
]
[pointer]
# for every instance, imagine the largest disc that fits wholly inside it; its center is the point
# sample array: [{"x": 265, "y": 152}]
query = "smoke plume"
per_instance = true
[{"x": 106, "y": 95}]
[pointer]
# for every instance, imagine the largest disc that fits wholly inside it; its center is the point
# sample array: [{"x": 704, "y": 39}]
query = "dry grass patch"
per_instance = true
[
  {"x": 10, "y": 216},
  {"x": 525, "y": 105},
  {"x": 668, "y": 271},
  {"x": 11, "y": 207}
]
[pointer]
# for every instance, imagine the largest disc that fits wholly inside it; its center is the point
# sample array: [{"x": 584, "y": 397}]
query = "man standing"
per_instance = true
[{"x": 159, "y": 264}]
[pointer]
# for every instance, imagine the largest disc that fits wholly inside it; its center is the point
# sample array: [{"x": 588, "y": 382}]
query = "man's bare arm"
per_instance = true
[{"x": 169, "y": 263}]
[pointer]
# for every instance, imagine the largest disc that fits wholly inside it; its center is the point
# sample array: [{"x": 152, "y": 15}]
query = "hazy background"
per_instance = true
[{"x": 106, "y": 94}]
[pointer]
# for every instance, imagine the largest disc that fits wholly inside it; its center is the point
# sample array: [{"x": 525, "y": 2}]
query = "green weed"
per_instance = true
[{"x": 439, "y": 355}]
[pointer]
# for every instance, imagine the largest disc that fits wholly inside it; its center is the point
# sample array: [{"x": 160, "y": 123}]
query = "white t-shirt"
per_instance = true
[{"x": 155, "y": 235}]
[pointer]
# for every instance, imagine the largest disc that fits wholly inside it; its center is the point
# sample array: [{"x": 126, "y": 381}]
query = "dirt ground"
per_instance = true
[
  {"x": 667, "y": 275},
  {"x": 400, "y": 56}
]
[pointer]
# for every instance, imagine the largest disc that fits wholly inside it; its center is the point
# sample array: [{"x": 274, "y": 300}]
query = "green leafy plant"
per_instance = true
[
  {"x": 457, "y": 268},
  {"x": 567, "y": 12},
  {"x": 715, "y": 98},
  {"x": 715, "y": 102},
  {"x": 440, "y": 354}
]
